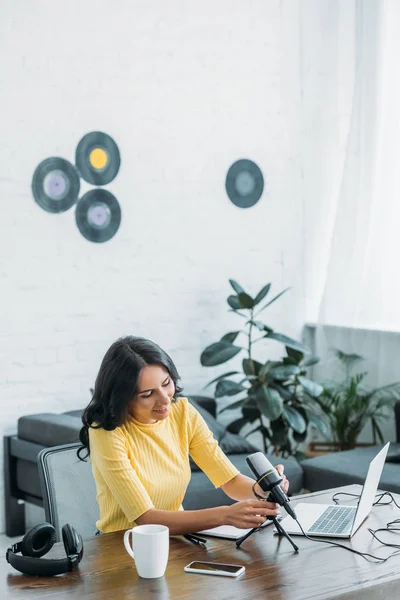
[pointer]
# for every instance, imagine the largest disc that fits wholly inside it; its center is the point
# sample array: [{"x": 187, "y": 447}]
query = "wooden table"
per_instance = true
[{"x": 273, "y": 571}]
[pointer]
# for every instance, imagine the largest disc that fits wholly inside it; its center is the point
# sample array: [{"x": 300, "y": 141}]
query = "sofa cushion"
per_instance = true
[
  {"x": 49, "y": 429},
  {"x": 351, "y": 466}
]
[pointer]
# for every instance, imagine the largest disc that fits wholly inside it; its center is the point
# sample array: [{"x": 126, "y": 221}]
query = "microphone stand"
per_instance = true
[{"x": 279, "y": 529}]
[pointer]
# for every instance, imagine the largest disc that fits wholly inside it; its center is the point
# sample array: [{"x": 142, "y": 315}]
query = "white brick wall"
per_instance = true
[{"x": 185, "y": 89}]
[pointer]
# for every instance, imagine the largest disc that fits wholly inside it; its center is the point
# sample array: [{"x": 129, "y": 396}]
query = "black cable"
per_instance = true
[
  {"x": 365, "y": 555},
  {"x": 373, "y": 532},
  {"x": 343, "y": 494},
  {"x": 382, "y": 495},
  {"x": 377, "y": 503}
]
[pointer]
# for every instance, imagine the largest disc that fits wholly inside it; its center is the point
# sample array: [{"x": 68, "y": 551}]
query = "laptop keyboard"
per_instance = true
[{"x": 334, "y": 519}]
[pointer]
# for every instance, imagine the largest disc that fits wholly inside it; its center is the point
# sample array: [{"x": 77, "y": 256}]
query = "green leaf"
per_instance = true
[
  {"x": 295, "y": 419},
  {"x": 273, "y": 299},
  {"x": 250, "y": 411},
  {"x": 309, "y": 362},
  {"x": 318, "y": 421},
  {"x": 251, "y": 367},
  {"x": 245, "y": 300},
  {"x": 260, "y": 326},
  {"x": 269, "y": 402},
  {"x": 294, "y": 354},
  {"x": 279, "y": 337},
  {"x": 262, "y": 293},
  {"x": 230, "y": 337},
  {"x": 218, "y": 353},
  {"x": 251, "y": 415},
  {"x": 279, "y": 434},
  {"x": 311, "y": 387},
  {"x": 283, "y": 391},
  {"x": 222, "y": 377},
  {"x": 299, "y": 437},
  {"x": 265, "y": 369},
  {"x": 237, "y": 404},
  {"x": 285, "y": 371},
  {"x": 233, "y": 302},
  {"x": 348, "y": 360},
  {"x": 388, "y": 392},
  {"x": 226, "y": 387},
  {"x": 237, "y": 425},
  {"x": 288, "y": 360},
  {"x": 249, "y": 378},
  {"x": 238, "y": 288}
]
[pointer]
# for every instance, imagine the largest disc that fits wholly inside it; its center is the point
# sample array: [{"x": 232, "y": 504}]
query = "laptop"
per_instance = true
[{"x": 325, "y": 520}]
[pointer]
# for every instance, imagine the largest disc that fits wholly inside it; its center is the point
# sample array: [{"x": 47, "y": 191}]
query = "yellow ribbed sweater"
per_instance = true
[{"x": 141, "y": 466}]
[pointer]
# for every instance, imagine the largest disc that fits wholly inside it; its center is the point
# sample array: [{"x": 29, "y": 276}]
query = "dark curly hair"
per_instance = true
[{"x": 116, "y": 384}]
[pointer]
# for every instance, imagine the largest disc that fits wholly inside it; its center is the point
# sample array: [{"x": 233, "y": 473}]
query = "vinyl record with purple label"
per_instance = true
[
  {"x": 98, "y": 215},
  {"x": 97, "y": 158},
  {"x": 55, "y": 185},
  {"x": 244, "y": 183}
]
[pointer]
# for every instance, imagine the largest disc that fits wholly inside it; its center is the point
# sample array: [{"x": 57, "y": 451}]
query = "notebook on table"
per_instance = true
[
  {"x": 326, "y": 520},
  {"x": 229, "y": 532}
]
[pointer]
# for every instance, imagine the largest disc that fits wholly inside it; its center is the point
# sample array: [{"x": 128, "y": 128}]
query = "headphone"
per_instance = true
[{"x": 37, "y": 542}]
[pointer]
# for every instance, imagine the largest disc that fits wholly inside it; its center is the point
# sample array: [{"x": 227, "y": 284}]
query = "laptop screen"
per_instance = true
[{"x": 370, "y": 486}]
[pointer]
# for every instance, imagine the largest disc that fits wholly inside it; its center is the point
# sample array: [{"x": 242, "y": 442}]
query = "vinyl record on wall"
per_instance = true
[
  {"x": 55, "y": 185},
  {"x": 244, "y": 183},
  {"x": 97, "y": 158},
  {"x": 98, "y": 215}
]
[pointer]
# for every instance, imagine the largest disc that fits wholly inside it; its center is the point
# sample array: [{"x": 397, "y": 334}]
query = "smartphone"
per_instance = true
[{"x": 210, "y": 568}]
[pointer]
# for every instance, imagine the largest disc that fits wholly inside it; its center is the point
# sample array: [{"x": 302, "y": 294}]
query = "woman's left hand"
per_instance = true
[{"x": 285, "y": 483}]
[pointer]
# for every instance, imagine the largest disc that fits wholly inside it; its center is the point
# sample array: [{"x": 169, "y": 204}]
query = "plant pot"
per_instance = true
[{"x": 320, "y": 448}]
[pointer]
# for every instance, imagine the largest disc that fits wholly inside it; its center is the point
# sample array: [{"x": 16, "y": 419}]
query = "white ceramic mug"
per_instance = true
[{"x": 149, "y": 550}]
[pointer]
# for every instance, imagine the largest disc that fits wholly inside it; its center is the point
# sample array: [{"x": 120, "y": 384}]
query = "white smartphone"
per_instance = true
[{"x": 211, "y": 568}]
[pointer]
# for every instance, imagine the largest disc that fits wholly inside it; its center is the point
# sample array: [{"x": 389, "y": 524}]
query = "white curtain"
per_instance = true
[
  {"x": 352, "y": 238},
  {"x": 360, "y": 286}
]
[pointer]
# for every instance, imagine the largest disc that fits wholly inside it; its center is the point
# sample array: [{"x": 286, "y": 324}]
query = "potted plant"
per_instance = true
[
  {"x": 275, "y": 396},
  {"x": 349, "y": 405}
]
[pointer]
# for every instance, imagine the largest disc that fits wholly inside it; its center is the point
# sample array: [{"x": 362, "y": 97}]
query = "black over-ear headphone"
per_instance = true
[{"x": 38, "y": 542}]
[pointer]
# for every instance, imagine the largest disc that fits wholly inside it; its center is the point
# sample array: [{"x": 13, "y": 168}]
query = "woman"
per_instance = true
[{"x": 139, "y": 433}]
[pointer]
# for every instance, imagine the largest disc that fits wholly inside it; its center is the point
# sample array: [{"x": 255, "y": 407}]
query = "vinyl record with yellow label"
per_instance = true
[
  {"x": 97, "y": 158},
  {"x": 244, "y": 183},
  {"x": 98, "y": 215},
  {"x": 55, "y": 185}
]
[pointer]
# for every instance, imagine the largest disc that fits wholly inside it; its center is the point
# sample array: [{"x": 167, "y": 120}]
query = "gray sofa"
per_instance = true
[
  {"x": 38, "y": 431},
  {"x": 351, "y": 466},
  {"x": 35, "y": 432}
]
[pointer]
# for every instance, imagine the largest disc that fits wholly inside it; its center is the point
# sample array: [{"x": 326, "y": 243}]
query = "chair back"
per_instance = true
[{"x": 68, "y": 489}]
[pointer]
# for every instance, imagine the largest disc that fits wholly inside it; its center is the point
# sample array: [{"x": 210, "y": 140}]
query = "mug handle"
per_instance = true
[{"x": 127, "y": 545}]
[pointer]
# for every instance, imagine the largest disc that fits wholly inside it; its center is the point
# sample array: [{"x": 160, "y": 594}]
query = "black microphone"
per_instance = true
[{"x": 269, "y": 479}]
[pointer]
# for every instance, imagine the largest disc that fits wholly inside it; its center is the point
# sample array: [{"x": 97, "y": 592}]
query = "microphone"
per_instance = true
[{"x": 269, "y": 479}]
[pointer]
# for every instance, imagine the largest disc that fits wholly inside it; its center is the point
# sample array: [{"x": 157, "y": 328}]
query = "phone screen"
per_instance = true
[{"x": 208, "y": 566}]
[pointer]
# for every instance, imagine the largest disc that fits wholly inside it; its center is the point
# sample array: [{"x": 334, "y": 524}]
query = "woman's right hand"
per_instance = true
[{"x": 247, "y": 514}]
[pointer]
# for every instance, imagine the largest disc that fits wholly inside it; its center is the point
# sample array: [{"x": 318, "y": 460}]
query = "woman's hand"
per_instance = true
[
  {"x": 249, "y": 513},
  {"x": 285, "y": 483}
]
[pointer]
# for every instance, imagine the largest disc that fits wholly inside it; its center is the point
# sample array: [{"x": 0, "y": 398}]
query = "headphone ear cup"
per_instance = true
[
  {"x": 73, "y": 543},
  {"x": 68, "y": 539},
  {"x": 38, "y": 541}
]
